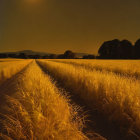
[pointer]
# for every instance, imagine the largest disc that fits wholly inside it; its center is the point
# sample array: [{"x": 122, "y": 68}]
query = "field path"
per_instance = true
[{"x": 95, "y": 122}]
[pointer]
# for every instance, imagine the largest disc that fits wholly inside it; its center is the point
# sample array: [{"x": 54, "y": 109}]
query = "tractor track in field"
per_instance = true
[
  {"x": 96, "y": 123},
  {"x": 11, "y": 86}
]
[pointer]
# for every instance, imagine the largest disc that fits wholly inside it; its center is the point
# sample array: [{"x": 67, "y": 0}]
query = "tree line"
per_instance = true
[
  {"x": 116, "y": 49},
  {"x": 113, "y": 49},
  {"x": 67, "y": 55}
]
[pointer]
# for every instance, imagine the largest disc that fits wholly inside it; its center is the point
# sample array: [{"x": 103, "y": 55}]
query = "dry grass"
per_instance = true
[
  {"x": 129, "y": 68},
  {"x": 38, "y": 111},
  {"x": 8, "y": 69},
  {"x": 118, "y": 98}
]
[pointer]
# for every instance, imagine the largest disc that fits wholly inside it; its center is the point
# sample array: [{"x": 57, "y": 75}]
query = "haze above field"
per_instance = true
[{"x": 55, "y": 26}]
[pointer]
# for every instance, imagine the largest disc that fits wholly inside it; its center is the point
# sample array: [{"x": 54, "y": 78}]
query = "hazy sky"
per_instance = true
[{"x": 58, "y": 25}]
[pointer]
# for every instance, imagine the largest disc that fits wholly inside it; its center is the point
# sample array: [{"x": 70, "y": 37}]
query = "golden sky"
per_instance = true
[{"x": 57, "y": 25}]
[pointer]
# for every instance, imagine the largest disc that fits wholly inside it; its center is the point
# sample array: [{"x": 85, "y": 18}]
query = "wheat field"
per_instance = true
[
  {"x": 51, "y": 99},
  {"x": 129, "y": 68}
]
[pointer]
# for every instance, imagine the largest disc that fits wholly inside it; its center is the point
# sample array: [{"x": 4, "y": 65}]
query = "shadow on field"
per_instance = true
[{"x": 96, "y": 122}]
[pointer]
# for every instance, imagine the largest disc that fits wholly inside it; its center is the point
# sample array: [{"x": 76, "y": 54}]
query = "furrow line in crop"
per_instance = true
[
  {"x": 96, "y": 121},
  {"x": 33, "y": 108},
  {"x": 115, "y": 97}
]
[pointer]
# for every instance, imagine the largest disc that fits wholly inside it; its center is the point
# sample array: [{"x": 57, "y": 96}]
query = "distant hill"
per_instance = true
[{"x": 29, "y": 52}]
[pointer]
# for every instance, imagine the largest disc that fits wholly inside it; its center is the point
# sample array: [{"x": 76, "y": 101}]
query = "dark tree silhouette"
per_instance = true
[
  {"x": 116, "y": 49},
  {"x": 45, "y": 57},
  {"x": 12, "y": 55},
  {"x": 89, "y": 57},
  {"x": 22, "y": 55},
  {"x": 34, "y": 57},
  {"x": 137, "y": 49},
  {"x": 60, "y": 56},
  {"x": 37, "y": 56},
  {"x": 3, "y": 55},
  {"x": 69, "y": 55},
  {"x": 30, "y": 56},
  {"x": 109, "y": 49},
  {"x": 126, "y": 49},
  {"x": 53, "y": 56}
]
